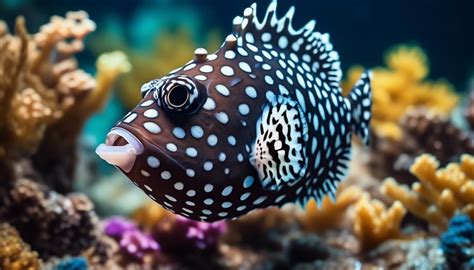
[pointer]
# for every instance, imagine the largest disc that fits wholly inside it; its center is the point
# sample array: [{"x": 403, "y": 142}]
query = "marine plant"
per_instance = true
[
  {"x": 401, "y": 85},
  {"x": 439, "y": 193}
]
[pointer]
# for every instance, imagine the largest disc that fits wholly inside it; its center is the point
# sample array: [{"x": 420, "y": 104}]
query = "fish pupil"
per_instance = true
[{"x": 178, "y": 96}]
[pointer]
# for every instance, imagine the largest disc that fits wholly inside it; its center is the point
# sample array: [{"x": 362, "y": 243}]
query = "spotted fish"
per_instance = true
[{"x": 260, "y": 122}]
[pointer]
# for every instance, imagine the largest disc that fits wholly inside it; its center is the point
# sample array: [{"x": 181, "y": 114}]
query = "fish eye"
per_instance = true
[
  {"x": 181, "y": 95},
  {"x": 177, "y": 97}
]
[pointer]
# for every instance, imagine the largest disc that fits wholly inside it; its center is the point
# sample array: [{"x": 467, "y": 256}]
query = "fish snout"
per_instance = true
[{"x": 120, "y": 149}]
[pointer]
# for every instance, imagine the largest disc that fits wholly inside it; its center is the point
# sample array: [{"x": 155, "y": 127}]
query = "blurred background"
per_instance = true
[{"x": 422, "y": 55}]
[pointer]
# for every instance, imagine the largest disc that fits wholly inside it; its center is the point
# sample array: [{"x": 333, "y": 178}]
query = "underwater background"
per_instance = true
[{"x": 408, "y": 201}]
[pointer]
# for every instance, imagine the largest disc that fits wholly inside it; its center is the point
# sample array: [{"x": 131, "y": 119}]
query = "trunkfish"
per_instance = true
[{"x": 261, "y": 122}]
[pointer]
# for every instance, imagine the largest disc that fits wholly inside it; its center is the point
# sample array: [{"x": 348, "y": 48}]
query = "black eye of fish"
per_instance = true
[
  {"x": 181, "y": 95},
  {"x": 177, "y": 97}
]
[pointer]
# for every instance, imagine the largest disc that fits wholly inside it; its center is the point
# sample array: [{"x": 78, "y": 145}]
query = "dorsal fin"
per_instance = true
[{"x": 310, "y": 48}]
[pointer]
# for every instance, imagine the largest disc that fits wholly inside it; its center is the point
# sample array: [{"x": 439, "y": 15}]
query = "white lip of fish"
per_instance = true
[{"x": 123, "y": 156}]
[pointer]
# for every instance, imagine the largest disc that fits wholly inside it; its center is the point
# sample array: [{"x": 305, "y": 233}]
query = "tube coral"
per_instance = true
[
  {"x": 440, "y": 193},
  {"x": 14, "y": 253},
  {"x": 402, "y": 85}
]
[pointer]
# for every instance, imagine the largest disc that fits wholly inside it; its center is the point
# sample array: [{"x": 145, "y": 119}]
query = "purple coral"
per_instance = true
[
  {"x": 136, "y": 243},
  {"x": 180, "y": 234},
  {"x": 117, "y": 226},
  {"x": 132, "y": 240}
]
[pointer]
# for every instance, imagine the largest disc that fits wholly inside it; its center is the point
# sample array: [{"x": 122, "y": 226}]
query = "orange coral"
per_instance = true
[
  {"x": 319, "y": 219},
  {"x": 402, "y": 85},
  {"x": 374, "y": 223},
  {"x": 440, "y": 193}
]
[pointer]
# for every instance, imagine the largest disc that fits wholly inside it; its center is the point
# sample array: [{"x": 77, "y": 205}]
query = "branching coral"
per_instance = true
[
  {"x": 374, "y": 223},
  {"x": 402, "y": 85},
  {"x": 14, "y": 253},
  {"x": 440, "y": 193},
  {"x": 45, "y": 98},
  {"x": 319, "y": 219}
]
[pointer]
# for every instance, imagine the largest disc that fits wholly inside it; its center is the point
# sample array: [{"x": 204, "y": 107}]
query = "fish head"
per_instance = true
[{"x": 190, "y": 135}]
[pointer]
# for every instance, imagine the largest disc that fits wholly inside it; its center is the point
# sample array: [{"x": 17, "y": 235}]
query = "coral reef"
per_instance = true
[
  {"x": 440, "y": 193},
  {"x": 457, "y": 242},
  {"x": 422, "y": 132},
  {"x": 402, "y": 85},
  {"x": 375, "y": 224},
  {"x": 14, "y": 253}
]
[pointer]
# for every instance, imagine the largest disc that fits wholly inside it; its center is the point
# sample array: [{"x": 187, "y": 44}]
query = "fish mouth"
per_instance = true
[{"x": 120, "y": 149}]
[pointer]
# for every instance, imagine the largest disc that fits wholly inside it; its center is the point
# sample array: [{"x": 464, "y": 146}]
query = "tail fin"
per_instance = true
[{"x": 361, "y": 104}]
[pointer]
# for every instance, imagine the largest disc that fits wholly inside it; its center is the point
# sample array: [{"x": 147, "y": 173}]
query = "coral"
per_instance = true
[
  {"x": 423, "y": 132},
  {"x": 76, "y": 263},
  {"x": 330, "y": 214},
  {"x": 374, "y": 223},
  {"x": 45, "y": 98},
  {"x": 149, "y": 215},
  {"x": 402, "y": 85},
  {"x": 179, "y": 234},
  {"x": 14, "y": 253},
  {"x": 440, "y": 193},
  {"x": 137, "y": 243},
  {"x": 53, "y": 224},
  {"x": 116, "y": 227},
  {"x": 457, "y": 242},
  {"x": 132, "y": 240}
]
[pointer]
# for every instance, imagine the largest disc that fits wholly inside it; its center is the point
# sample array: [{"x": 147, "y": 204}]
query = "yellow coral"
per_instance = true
[
  {"x": 149, "y": 215},
  {"x": 375, "y": 224},
  {"x": 14, "y": 253},
  {"x": 171, "y": 51},
  {"x": 440, "y": 193},
  {"x": 400, "y": 86},
  {"x": 319, "y": 219}
]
